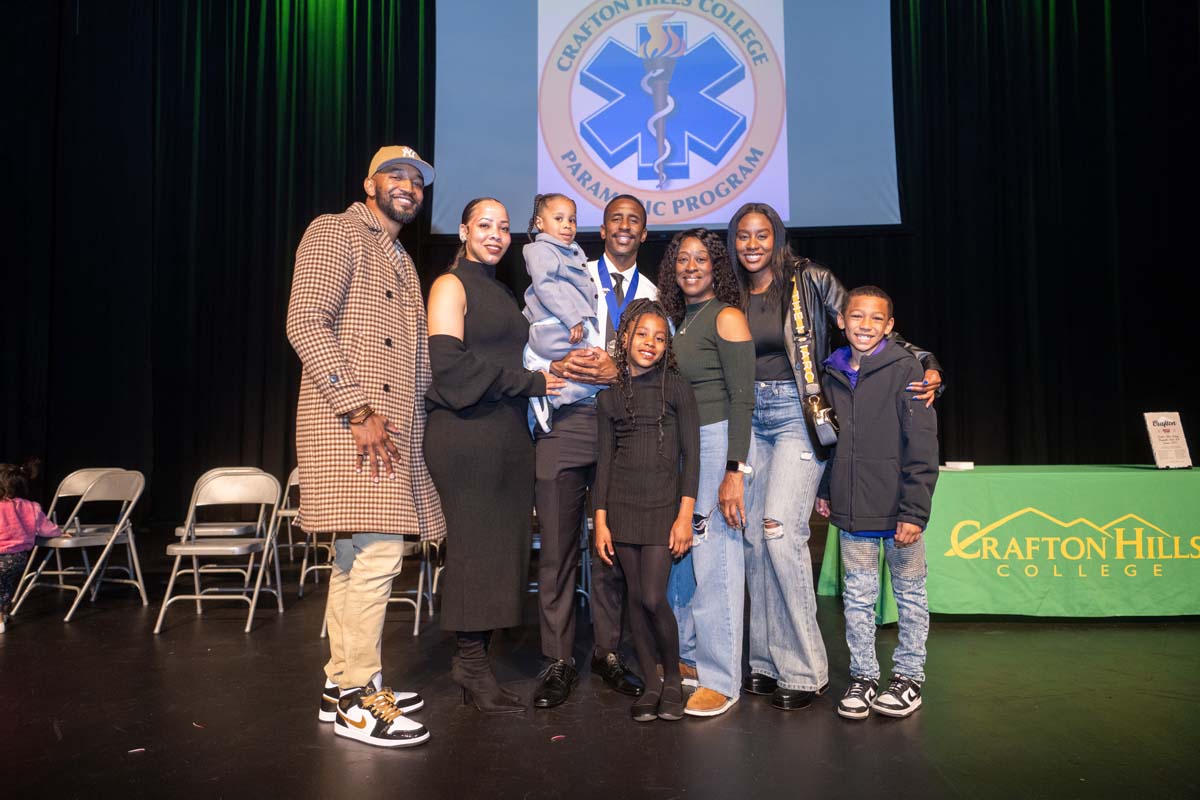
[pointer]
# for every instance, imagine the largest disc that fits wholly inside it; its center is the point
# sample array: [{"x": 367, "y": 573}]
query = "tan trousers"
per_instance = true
[{"x": 364, "y": 565}]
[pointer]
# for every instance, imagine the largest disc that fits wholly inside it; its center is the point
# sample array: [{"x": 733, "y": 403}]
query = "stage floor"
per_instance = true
[{"x": 1012, "y": 709}]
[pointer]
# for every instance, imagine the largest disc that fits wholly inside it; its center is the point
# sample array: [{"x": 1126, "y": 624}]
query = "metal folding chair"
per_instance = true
[
  {"x": 412, "y": 597},
  {"x": 113, "y": 486},
  {"x": 72, "y": 486},
  {"x": 240, "y": 528},
  {"x": 231, "y": 487}
]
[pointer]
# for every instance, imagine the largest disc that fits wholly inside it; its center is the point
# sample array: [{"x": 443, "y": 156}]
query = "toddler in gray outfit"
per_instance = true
[{"x": 560, "y": 303}]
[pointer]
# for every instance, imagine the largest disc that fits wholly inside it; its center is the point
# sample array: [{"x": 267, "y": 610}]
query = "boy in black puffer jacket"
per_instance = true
[{"x": 877, "y": 486}]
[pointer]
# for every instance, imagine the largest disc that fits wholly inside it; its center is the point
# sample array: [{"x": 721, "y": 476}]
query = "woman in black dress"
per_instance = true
[
  {"x": 478, "y": 449},
  {"x": 647, "y": 474}
]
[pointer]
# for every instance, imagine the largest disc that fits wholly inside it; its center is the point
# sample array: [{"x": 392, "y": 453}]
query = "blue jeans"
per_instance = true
[
  {"x": 706, "y": 589},
  {"x": 785, "y": 641},
  {"x": 860, "y": 557}
]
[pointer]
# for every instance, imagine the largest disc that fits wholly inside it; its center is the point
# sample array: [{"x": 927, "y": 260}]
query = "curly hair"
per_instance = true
[
  {"x": 14, "y": 479},
  {"x": 539, "y": 205},
  {"x": 629, "y": 322},
  {"x": 725, "y": 283}
]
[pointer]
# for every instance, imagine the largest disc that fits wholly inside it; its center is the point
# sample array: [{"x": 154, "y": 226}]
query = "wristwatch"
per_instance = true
[{"x": 739, "y": 466}]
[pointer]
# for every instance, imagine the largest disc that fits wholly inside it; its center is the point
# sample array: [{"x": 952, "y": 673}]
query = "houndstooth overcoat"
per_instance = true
[{"x": 357, "y": 320}]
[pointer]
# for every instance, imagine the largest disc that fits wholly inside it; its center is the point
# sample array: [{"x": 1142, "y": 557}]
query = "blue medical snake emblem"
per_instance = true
[{"x": 662, "y": 101}]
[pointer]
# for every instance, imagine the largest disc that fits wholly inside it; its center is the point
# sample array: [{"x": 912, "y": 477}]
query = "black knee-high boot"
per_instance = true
[{"x": 471, "y": 670}]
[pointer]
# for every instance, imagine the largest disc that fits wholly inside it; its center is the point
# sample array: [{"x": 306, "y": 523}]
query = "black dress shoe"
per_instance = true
[
  {"x": 616, "y": 674},
  {"x": 794, "y": 699},
  {"x": 758, "y": 684},
  {"x": 670, "y": 707},
  {"x": 645, "y": 708},
  {"x": 558, "y": 680}
]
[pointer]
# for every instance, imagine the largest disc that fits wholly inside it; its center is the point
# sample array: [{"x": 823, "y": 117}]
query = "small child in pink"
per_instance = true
[{"x": 21, "y": 521}]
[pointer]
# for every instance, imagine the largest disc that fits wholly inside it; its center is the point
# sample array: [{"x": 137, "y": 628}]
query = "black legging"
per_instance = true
[{"x": 646, "y": 568}]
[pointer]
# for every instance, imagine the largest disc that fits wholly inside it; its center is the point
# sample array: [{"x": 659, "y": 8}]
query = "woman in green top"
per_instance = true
[{"x": 698, "y": 289}]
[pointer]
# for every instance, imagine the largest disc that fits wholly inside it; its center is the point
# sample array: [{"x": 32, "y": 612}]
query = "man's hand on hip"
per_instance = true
[{"x": 373, "y": 444}]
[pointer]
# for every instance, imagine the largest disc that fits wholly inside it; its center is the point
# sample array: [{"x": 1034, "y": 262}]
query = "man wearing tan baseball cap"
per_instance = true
[{"x": 357, "y": 320}]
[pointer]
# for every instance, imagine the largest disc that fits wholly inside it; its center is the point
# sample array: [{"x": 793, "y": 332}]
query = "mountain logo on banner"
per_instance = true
[
  {"x": 1030, "y": 542},
  {"x": 682, "y": 108}
]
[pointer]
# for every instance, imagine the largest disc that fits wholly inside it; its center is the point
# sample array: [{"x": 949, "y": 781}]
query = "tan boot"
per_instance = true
[{"x": 707, "y": 703}]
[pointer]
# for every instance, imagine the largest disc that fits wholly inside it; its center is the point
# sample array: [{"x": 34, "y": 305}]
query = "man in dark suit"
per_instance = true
[{"x": 566, "y": 466}]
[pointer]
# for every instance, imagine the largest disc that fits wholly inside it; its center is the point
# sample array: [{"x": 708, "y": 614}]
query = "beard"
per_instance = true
[{"x": 392, "y": 210}]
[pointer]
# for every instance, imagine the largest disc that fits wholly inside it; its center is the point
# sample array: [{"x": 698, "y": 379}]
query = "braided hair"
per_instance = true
[
  {"x": 539, "y": 205},
  {"x": 725, "y": 283},
  {"x": 666, "y": 365},
  {"x": 14, "y": 479}
]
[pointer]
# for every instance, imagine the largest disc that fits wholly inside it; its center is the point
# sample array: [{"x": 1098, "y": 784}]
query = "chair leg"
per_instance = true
[
  {"x": 304, "y": 562},
  {"x": 196, "y": 583},
  {"x": 137, "y": 568},
  {"x": 162, "y": 612},
  {"x": 94, "y": 577},
  {"x": 291, "y": 544},
  {"x": 102, "y": 565},
  {"x": 420, "y": 586},
  {"x": 25, "y": 572},
  {"x": 278, "y": 579},
  {"x": 58, "y": 566},
  {"x": 262, "y": 567},
  {"x": 33, "y": 581},
  {"x": 324, "y": 627}
]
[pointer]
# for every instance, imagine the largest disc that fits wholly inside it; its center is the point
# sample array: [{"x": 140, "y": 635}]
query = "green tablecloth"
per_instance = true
[{"x": 1090, "y": 541}]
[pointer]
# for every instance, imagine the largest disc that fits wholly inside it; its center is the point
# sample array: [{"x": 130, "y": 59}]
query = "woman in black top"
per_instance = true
[
  {"x": 477, "y": 447},
  {"x": 787, "y": 654},
  {"x": 647, "y": 474}
]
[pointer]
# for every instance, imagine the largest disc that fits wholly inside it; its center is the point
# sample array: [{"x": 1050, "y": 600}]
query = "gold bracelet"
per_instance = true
[{"x": 359, "y": 415}]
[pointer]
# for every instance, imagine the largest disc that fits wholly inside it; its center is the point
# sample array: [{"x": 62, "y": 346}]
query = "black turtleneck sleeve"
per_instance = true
[{"x": 462, "y": 379}]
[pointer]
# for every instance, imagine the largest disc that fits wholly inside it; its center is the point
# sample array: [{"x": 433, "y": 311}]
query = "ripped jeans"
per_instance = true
[
  {"x": 785, "y": 641},
  {"x": 707, "y": 587},
  {"x": 860, "y": 557}
]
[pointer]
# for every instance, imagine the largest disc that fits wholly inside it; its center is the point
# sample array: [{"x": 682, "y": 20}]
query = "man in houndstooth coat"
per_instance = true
[{"x": 356, "y": 319}]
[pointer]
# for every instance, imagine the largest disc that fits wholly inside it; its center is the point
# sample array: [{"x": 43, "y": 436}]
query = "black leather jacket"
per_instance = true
[{"x": 823, "y": 296}]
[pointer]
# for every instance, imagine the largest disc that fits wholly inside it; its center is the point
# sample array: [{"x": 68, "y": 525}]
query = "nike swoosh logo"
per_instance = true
[{"x": 348, "y": 721}]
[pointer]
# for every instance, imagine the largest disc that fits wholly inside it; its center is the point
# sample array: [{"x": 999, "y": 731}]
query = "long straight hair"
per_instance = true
[{"x": 782, "y": 261}]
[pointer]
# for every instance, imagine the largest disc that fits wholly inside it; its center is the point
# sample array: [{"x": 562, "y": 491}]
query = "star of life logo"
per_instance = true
[{"x": 681, "y": 105}]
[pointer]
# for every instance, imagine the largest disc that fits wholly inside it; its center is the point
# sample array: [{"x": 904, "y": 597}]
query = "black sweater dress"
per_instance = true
[
  {"x": 638, "y": 485},
  {"x": 480, "y": 455}
]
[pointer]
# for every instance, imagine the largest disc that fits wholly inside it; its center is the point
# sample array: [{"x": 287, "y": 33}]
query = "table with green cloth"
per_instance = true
[{"x": 1063, "y": 541}]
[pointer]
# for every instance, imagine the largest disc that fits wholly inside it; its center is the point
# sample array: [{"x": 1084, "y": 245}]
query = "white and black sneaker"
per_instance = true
[
  {"x": 408, "y": 702},
  {"x": 542, "y": 412},
  {"x": 901, "y": 698},
  {"x": 856, "y": 702},
  {"x": 374, "y": 718}
]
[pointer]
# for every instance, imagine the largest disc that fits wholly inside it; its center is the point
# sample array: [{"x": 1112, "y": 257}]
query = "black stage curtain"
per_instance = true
[{"x": 168, "y": 155}]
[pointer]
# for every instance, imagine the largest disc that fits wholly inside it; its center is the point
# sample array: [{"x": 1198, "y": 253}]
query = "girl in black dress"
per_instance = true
[{"x": 645, "y": 491}]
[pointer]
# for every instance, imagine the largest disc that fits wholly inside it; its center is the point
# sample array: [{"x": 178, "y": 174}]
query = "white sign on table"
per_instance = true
[{"x": 1167, "y": 440}]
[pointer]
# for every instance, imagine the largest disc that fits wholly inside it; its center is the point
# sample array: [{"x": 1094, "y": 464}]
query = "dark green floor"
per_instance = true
[{"x": 1013, "y": 709}]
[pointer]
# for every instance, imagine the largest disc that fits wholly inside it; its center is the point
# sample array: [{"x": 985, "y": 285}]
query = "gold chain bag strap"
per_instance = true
[{"x": 819, "y": 412}]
